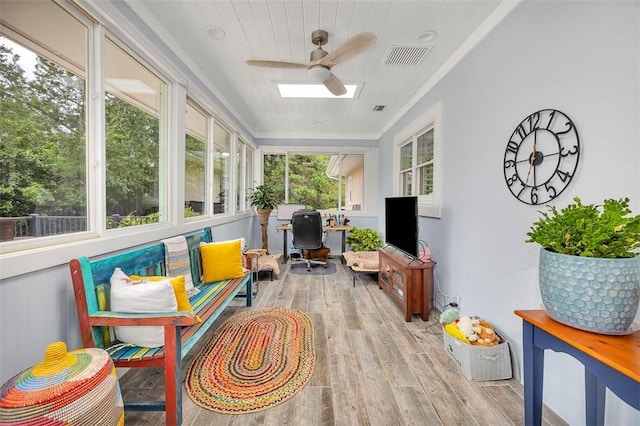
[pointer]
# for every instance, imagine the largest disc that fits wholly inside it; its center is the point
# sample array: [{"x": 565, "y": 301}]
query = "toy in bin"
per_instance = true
[
  {"x": 475, "y": 346},
  {"x": 470, "y": 330}
]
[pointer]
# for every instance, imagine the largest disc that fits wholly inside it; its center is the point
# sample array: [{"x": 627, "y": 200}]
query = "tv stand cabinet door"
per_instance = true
[
  {"x": 392, "y": 279},
  {"x": 414, "y": 277}
]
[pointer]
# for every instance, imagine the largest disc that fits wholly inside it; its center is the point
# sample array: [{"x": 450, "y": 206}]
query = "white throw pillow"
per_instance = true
[{"x": 141, "y": 297}]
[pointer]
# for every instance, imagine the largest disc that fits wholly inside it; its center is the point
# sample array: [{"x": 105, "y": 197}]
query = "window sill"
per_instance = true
[{"x": 429, "y": 210}]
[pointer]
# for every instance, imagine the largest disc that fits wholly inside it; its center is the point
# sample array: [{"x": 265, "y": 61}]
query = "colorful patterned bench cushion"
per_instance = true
[{"x": 201, "y": 302}]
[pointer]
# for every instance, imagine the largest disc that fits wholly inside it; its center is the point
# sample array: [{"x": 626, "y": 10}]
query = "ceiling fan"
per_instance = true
[{"x": 322, "y": 61}]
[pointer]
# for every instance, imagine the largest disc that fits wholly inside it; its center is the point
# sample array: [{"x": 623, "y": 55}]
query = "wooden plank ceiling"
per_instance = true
[{"x": 281, "y": 30}]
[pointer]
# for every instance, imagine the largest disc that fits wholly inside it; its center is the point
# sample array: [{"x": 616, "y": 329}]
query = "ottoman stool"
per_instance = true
[
  {"x": 75, "y": 388},
  {"x": 361, "y": 261},
  {"x": 263, "y": 262}
]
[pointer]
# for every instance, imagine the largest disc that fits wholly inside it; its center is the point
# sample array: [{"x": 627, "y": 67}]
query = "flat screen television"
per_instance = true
[{"x": 401, "y": 224}]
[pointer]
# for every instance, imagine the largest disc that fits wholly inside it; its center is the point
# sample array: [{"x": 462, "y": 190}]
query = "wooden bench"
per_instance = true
[{"x": 181, "y": 331}]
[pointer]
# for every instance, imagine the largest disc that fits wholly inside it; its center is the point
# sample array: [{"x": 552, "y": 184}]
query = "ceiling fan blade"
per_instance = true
[
  {"x": 276, "y": 64},
  {"x": 350, "y": 48},
  {"x": 334, "y": 85}
]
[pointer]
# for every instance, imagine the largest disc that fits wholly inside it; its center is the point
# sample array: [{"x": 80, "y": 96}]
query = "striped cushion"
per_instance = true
[{"x": 129, "y": 352}]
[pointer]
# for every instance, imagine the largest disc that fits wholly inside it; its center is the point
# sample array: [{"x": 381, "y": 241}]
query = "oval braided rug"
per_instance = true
[{"x": 255, "y": 360}]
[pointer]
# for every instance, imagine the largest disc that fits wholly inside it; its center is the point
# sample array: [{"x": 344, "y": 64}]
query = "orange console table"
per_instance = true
[{"x": 609, "y": 362}]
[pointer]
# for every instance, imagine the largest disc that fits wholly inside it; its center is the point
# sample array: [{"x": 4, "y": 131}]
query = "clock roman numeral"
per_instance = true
[{"x": 512, "y": 147}]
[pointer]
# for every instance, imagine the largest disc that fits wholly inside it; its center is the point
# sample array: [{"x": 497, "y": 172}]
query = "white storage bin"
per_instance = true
[{"x": 480, "y": 363}]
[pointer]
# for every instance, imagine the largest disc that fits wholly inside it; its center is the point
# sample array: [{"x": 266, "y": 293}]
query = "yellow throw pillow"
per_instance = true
[
  {"x": 221, "y": 260},
  {"x": 179, "y": 290}
]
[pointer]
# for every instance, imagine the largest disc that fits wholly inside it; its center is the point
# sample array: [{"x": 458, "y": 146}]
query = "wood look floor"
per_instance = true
[{"x": 372, "y": 367}]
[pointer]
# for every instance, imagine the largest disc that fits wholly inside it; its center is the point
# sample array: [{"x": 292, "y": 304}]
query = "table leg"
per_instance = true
[
  {"x": 344, "y": 237},
  {"x": 594, "y": 399},
  {"x": 533, "y": 376},
  {"x": 285, "y": 255}
]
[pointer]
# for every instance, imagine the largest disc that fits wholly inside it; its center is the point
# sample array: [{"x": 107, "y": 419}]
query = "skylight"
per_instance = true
[{"x": 313, "y": 91}]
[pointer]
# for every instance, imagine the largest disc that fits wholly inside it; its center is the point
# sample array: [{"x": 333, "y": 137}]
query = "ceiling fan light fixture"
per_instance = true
[
  {"x": 319, "y": 73},
  {"x": 313, "y": 90}
]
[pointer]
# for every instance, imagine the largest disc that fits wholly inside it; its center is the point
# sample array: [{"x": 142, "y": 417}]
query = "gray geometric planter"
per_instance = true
[{"x": 592, "y": 294}]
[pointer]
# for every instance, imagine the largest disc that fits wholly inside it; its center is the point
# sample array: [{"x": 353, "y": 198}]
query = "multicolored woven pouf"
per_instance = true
[{"x": 67, "y": 388}]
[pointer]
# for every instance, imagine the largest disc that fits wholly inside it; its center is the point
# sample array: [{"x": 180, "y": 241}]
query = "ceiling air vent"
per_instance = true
[
  {"x": 379, "y": 107},
  {"x": 406, "y": 55}
]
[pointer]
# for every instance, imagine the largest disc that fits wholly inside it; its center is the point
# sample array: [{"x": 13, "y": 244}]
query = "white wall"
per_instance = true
[{"x": 580, "y": 58}]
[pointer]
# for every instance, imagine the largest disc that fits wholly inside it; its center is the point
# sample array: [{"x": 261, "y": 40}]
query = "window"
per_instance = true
[
  {"x": 420, "y": 149},
  {"x": 134, "y": 113},
  {"x": 348, "y": 169},
  {"x": 74, "y": 166},
  {"x": 317, "y": 180},
  {"x": 43, "y": 68},
  {"x": 195, "y": 159},
  {"x": 248, "y": 172},
  {"x": 221, "y": 169},
  {"x": 244, "y": 174},
  {"x": 274, "y": 174},
  {"x": 196, "y": 142},
  {"x": 417, "y": 153}
]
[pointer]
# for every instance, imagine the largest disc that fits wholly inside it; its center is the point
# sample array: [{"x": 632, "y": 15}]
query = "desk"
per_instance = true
[
  {"x": 609, "y": 362},
  {"x": 285, "y": 228}
]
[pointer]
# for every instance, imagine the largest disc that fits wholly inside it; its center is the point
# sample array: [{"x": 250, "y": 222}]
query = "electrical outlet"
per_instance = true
[{"x": 456, "y": 299}]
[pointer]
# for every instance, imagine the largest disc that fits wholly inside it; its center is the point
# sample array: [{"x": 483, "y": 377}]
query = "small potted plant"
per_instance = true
[
  {"x": 589, "y": 270},
  {"x": 263, "y": 198},
  {"x": 364, "y": 243},
  {"x": 364, "y": 239}
]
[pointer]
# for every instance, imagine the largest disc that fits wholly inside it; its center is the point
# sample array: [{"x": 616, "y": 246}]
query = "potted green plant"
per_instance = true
[
  {"x": 589, "y": 270},
  {"x": 263, "y": 198},
  {"x": 364, "y": 239}
]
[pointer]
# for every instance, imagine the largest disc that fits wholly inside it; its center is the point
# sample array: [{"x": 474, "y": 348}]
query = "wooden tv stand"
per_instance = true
[{"x": 408, "y": 281}]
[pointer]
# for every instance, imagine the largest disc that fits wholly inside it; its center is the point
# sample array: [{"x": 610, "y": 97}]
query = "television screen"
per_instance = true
[{"x": 401, "y": 224}]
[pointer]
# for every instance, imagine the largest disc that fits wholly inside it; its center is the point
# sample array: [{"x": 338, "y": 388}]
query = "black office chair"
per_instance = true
[{"x": 306, "y": 226}]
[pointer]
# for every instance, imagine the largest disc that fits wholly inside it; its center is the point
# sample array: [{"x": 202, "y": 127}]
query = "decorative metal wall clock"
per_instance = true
[{"x": 541, "y": 156}]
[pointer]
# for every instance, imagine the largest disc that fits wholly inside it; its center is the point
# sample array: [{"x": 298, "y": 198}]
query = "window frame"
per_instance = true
[
  {"x": 428, "y": 205},
  {"x": 91, "y": 110},
  {"x": 370, "y": 156},
  {"x": 229, "y": 202},
  {"x": 243, "y": 151},
  {"x": 28, "y": 255},
  {"x": 164, "y": 112},
  {"x": 193, "y": 103},
  {"x": 237, "y": 138}
]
